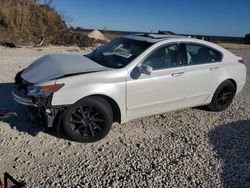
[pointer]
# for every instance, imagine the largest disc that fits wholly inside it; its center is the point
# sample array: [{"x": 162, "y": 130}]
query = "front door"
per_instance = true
[{"x": 162, "y": 90}]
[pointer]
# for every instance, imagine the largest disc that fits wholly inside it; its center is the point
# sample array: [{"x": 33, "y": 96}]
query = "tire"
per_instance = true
[
  {"x": 223, "y": 96},
  {"x": 88, "y": 120}
]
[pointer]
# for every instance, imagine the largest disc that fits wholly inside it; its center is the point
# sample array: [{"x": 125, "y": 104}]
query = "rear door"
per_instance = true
[{"x": 203, "y": 69}]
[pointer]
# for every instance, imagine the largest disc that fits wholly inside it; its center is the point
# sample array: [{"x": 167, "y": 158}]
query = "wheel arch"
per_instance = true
[
  {"x": 234, "y": 82},
  {"x": 114, "y": 105},
  {"x": 209, "y": 99},
  {"x": 224, "y": 80},
  {"x": 213, "y": 105}
]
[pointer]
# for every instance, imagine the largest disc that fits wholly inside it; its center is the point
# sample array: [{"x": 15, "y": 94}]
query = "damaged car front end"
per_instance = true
[
  {"x": 37, "y": 100},
  {"x": 36, "y": 84}
]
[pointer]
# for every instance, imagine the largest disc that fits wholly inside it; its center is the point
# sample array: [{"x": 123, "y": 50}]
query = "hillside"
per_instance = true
[{"x": 25, "y": 22}]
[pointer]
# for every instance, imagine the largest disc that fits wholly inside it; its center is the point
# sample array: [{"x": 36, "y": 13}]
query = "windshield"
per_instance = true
[{"x": 118, "y": 53}]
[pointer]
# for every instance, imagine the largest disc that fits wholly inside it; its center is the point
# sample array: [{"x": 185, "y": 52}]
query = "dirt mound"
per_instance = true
[
  {"x": 96, "y": 34},
  {"x": 25, "y": 22},
  {"x": 75, "y": 38}
]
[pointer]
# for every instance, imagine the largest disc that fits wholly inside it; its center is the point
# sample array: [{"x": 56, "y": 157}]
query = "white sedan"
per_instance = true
[{"x": 130, "y": 77}]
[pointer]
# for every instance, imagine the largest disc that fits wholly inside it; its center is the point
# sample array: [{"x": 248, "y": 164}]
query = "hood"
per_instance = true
[{"x": 50, "y": 67}]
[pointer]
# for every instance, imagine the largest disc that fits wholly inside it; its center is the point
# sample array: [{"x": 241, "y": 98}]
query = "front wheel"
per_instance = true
[
  {"x": 88, "y": 120},
  {"x": 223, "y": 96}
]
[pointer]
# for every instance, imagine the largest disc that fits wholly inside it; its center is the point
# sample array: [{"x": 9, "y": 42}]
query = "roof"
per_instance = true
[{"x": 152, "y": 37}]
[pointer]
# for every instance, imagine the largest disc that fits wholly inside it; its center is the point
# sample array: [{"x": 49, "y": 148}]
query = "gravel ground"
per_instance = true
[{"x": 187, "y": 148}]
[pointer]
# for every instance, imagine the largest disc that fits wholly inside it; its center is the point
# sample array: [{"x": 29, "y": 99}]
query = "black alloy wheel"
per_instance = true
[
  {"x": 223, "y": 96},
  {"x": 88, "y": 120}
]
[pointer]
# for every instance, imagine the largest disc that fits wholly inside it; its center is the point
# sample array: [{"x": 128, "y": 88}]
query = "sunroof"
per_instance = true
[
  {"x": 156, "y": 36},
  {"x": 159, "y": 36}
]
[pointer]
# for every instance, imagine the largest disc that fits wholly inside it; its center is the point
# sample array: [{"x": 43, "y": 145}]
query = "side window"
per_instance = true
[
  {"x": 198, "y": 54},
  {"x": 164, "y": 57}
]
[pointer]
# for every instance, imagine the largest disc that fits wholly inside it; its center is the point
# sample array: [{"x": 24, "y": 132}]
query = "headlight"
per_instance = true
[{"x": 43, "y": 90}]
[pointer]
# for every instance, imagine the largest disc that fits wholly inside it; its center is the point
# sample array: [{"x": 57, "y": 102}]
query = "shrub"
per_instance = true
[{"x": 247, "y": 38}]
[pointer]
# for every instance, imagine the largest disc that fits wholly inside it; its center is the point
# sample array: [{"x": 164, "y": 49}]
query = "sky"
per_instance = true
[{"x": 206, "y": 17}]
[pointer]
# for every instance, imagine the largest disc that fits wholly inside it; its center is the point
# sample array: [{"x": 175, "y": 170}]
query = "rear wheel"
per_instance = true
[
  {"x": 88, "y": 120},
  {"x": 223, "y": 96}
]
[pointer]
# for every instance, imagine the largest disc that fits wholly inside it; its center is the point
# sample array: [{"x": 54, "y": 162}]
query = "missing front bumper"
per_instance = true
[
  {"x": 22, "y": 99},
  {"x": 34, "y": 110},
  {"x": 39, "y": 108}
]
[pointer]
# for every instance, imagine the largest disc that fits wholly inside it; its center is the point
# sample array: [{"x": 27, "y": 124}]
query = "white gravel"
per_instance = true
[{"x": 187, "y": 148}]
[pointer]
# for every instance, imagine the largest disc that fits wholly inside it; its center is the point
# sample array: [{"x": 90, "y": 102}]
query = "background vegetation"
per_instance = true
[{"x": 27, "y": 22}]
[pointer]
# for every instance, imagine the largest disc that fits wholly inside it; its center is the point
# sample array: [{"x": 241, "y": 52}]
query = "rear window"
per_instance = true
[{"x": 199, "y": 54}]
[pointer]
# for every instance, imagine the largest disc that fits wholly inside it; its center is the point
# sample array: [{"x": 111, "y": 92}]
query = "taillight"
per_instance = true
[{"x": 242, "y": 61}]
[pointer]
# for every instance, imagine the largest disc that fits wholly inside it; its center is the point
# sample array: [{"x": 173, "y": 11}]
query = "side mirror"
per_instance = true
[{"x": 145, "y": 69}]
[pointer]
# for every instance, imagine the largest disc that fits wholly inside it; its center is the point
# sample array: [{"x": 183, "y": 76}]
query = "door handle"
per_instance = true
[
  {"x": 214, "y": 68},
  {"x": 177, "y": 74}
]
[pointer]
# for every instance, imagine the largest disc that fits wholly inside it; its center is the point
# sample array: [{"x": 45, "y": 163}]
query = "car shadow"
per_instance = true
[
  {"x": 14, "y": 114},
  {"x": 232, "y": 144}
]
